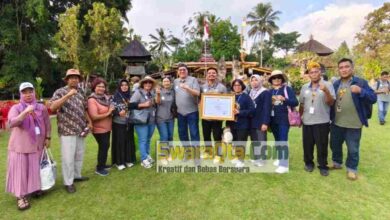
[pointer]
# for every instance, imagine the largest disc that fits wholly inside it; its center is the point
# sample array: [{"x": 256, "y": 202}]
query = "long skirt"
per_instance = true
[
  {"x": 123, "y": 146},
  {"x": 23, "y": 174}
]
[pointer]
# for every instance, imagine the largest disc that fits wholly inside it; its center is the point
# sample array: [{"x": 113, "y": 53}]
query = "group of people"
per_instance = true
[{"x": 340, "y": 110}]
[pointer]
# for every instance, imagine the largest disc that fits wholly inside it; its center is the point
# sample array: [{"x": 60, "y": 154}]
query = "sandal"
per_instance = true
[
  {"x": 38, "y": 194},
  {"x": 22, "y": 203}
]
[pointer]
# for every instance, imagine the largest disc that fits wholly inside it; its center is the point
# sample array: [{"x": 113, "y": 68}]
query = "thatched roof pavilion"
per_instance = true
[{"x": 315, "y": 47}]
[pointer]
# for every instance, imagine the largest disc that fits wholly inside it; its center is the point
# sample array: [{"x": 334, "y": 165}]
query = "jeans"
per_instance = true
[
  {"x": 351, "y": 136},
  {"x": 280, "y": 133},
  {"x": 189, "y": 121},
  {"x": 103, "y": 141},
  {"x": 165, "y": 129},
  {"x": 145, "y": 133},
  {"x": 382, "y": 110}
]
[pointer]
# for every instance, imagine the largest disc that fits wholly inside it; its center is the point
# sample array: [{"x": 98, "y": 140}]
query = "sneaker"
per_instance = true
[
  {"x": 235, "y": 160},
  {"x": 205, "y": 156},
  {"x": 121, "y": 167},
  {"x": 281, "y": 170},
  {"x": 276, "y": 163},
  {"x": 150, "y": 159},
  {"x": 324, "y": 172},
  {"x": 146, "y": 164},
  {"x": 239, "y": 164},
  {"x": 102, "y": 172},
  {"x": 309, "y": 168},
  {"x": 336, "y": 167},
  {"x": 382, "y": 123},
  {"x": 106, "y": 167},
  {"x": 129, "y": 165},
  {"x": 164, "y": 162},
  {"x": 217, "y": 160},
  {"x": 352, "y": 176},
  {"x": 258, "y": 163}
]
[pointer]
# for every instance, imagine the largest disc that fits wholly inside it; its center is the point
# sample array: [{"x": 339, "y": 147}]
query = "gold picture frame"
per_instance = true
[{"x": 217, "y": 107}]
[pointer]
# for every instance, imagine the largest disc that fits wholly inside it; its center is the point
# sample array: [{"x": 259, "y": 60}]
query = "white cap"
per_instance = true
[{"x": 25, "y": 85}]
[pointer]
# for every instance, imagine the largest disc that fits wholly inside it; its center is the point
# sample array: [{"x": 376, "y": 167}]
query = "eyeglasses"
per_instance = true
[
  {"x": 277, "y": 77},
  {"x": 124, "y": 85},
  {"x": 237, "y": 85}
]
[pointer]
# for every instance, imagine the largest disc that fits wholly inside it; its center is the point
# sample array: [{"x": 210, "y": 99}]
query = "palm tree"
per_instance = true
[
  {"x": 159, "y": 42},
  {"x": 194, "y": 27},
  {"x": 262, "y": 19}
]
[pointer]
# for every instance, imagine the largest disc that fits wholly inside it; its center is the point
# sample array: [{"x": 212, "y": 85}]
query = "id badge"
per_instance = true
[
  {"x": 272, "y": 113},
  {"x": 338, "y": 109},
  {"x": 311, "y": 110},
  {"x": 163, "y": 98},
  {"x": 37, "y": 130}
]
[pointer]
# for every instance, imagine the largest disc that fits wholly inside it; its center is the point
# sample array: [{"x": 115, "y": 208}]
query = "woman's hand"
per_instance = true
[
  {"x": 122, "y": 113},
  {"x": 47, "y": 143}
]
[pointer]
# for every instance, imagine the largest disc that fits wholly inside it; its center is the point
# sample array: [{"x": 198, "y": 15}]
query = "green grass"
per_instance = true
[{"x": 139, "y": 193}]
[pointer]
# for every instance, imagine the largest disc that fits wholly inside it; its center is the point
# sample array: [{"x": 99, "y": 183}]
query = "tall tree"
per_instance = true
[
  {"x": 286, "y": 41},
  {"x": 105, "y": 38},
  {"x": 194, "y": 27},
  {"x": 107, "y": 33},
  {"x": 24, "y": 42},
  {"x": 225, "y": 41},
  {"x": 262, "y": 19},
  {"x": 374, "y": 38}
]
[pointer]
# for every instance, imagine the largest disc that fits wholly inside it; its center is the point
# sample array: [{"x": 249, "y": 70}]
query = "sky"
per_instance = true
[{"x": 329, "y": 21}]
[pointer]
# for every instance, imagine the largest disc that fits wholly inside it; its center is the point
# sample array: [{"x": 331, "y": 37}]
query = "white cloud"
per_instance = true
[{"x": 331, "y": 25}]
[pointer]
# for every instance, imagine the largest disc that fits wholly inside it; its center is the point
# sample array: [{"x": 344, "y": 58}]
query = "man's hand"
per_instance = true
[
  {"x": 356, "y": 89},
  {"x": 184, "y": 86},
  {"x": 280, "y": 98},
  {"x": 236, "y": 111},
  {"x": 323, "y": 87},
  {"x": 72, "y": 92}
]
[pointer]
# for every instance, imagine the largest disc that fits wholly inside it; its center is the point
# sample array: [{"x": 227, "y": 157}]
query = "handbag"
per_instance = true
[
  {"x": 48, "y": 170},
  {"x": 139, "y": 116},
  {"x": 294, "y": 118}
]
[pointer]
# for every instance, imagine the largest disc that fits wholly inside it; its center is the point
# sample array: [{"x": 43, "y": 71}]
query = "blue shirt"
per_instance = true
[
  {"x": 247, "y": 109},
  {"x": 280, "y": 111},
  {"x": 262, "y": 113}
]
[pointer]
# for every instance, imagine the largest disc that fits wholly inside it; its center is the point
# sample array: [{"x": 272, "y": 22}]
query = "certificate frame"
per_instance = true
[{"x": 228, "y": 99}]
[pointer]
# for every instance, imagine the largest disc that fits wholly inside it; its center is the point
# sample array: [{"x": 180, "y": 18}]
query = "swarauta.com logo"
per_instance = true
[{"x": 220, "y": 157}]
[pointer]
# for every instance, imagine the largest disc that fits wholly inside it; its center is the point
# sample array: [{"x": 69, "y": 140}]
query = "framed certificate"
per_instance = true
[{"x": 217, "y": 107}]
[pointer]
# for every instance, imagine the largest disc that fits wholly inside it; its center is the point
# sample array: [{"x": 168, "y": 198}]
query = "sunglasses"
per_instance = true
[{"x": 277, "y": 77}]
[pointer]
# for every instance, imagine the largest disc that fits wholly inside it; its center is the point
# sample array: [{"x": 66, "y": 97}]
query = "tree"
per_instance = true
[
  {"x": 191, "y": 51},
  {"x": 195, "y": 25},
  {"x": 160, "y": 42},
  {"x": 286, "y": 41},
  {"x": 262, "y": 19},
  {"x": 104, "y": 40},
  {"x": 69, "y": 37},
  {"x": 225, "y": 41},
  {"x": 107, "y": 34},
  {"x": 374, "y": 38},
  {"x": 24, "y": 41}
]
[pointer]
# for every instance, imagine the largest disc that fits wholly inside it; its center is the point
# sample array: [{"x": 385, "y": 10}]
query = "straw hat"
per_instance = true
[
  {"x": 146, "y": 79},
  {"x": 73, "y": 72},
  {"x": 277, "y": 73}
]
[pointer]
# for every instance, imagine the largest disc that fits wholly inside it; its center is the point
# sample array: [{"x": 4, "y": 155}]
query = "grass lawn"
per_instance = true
[{"x": 138, "y": 193}]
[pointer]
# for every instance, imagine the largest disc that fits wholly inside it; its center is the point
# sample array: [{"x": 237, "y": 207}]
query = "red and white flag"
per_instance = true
[{"x": 206, "y": 29}]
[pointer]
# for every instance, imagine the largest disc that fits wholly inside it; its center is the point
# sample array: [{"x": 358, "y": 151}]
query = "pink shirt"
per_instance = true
[
  {"x": 20, "y": 141},
  {"x": 95, "y": 109}
]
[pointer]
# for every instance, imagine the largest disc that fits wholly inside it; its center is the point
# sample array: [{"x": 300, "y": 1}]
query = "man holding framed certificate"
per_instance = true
[{"x": 212, "y": 86}]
